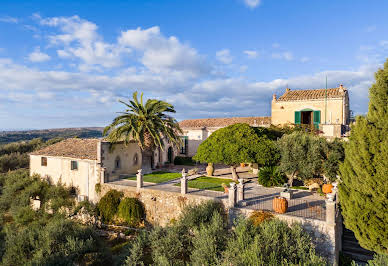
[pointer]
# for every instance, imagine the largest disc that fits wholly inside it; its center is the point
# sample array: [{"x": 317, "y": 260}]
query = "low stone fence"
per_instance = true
[{"x": 162, "y": 207}]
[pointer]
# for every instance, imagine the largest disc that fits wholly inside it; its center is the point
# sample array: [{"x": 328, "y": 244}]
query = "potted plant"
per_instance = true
[
  {"x": 280, "y": 204},
  {"x": 327, "y": 188}
]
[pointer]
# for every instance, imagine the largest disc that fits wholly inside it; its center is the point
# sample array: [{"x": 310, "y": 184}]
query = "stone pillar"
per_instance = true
[
  {"x": 232, "y": 195},
  {"x": 139, "y": 179},
  {"x": 184, "y": 182},
  {"x": 330, "y": 212},
  {"x": 240, "y": 191},
  {"x": 102, "y": 176}
]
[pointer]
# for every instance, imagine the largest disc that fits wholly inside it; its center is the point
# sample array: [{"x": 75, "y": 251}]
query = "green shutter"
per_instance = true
[
  {"x": 317, "y": 118},
  {"x": 297, "y": 117}
]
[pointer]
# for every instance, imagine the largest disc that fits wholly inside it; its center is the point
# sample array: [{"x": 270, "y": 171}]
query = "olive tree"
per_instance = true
[
  {"x": 235, "y": 144},
  {"x": 305, "y": 155}
]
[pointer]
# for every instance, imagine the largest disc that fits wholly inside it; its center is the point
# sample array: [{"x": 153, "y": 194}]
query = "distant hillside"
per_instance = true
[{"x": 46, "y": 134}]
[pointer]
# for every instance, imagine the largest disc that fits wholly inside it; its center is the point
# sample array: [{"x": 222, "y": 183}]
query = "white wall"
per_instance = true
[{"x": 58, "y": 170}]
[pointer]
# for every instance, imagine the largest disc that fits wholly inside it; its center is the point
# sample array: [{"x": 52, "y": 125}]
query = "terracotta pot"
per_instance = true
[
  {"x": 280, "y": 204},
  {"x": 226, "y": 189},
  {"x": 242, "y": 164},
  {"x": 210, "y": 169},
  {"x": 327, "y": 188}
]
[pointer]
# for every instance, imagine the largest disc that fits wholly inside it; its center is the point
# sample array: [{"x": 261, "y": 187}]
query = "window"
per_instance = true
[
  {"x": 43, "y": 161},
  {"x": 185, "y": 145},
  {"x": 74, "y": 165},
  {"x": 117, "y": 163}
]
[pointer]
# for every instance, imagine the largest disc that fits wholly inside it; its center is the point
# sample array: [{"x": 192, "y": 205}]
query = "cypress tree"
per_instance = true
[{"x": 364, "y": 189}]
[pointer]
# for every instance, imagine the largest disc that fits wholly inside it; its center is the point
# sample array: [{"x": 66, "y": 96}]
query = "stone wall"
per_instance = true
[{"x": 162, "y": 207}]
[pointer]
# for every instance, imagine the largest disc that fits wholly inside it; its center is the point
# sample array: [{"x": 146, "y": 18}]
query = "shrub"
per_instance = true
[
  {"x": 108, "y": 205},
  {"x": 195, "y": 215},
  {"x": 257, "y": 217},
  {"x": 272, "y": 243},
  {"x": 271, "y": 176},
  {"x": 131, "y": 210},
  {"x": 379, "y": 260},
  {"x": 209, "y": 241},
  {"x": 59, "y": 242},
  {"x": 180, "y": 160},
  {"x": 88, "y": 206}
]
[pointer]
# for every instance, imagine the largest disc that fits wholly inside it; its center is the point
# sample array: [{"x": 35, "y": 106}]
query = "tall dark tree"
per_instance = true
[
  {"x": 148, "y": 124},
  {"x": 364, "y": 173}
]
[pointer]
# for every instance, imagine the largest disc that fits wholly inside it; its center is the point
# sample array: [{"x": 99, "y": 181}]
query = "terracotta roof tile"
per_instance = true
[
  {"x": 293, "y": 95},
  {"x": 73, "y": 148},
  {"x": 223, "y": 122}
]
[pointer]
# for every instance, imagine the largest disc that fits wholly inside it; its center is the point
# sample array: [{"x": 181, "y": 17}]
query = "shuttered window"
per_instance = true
[
  {"x": 297, "y": 117},
  {"x": 185, "y": 145},
  {"x": 317, "y": 118},
  {"x": 43, "y": 161},
  {"x": 74, "y": 165}
]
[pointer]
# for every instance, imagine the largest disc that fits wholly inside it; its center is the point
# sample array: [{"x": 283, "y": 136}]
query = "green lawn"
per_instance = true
[
  {"x": 209, "y": 183},
  {"x": 158, "y": 177}
]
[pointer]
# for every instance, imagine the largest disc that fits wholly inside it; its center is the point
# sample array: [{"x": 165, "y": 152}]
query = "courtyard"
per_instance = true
[{"x": 256, "y": 197}]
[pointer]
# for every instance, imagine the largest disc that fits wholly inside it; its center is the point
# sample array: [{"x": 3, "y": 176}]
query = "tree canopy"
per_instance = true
[
  {"x": 364, "y": 173},
  {"x": 147, "y": 123},
  {"x": 305, "y": 155},
  {"x": 235, "y": 144}
]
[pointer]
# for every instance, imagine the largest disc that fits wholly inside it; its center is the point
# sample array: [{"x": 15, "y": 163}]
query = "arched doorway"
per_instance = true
[{"x": 169, "y": 154}]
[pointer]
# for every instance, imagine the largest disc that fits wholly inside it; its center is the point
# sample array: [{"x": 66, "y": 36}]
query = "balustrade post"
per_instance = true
[
  {"x": 232, "y": 195},
  {"x": 184, "y": 182},
  {"x": 139, "y": 179}
]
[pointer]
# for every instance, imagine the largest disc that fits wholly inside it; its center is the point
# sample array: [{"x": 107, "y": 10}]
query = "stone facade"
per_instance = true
[
  {"x": 83, "y": 174},
  {"x": 313, "y": 107}
]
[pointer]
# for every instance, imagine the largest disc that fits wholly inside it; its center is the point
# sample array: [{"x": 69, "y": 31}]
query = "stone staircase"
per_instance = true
[{"x": 352, "y": 249}]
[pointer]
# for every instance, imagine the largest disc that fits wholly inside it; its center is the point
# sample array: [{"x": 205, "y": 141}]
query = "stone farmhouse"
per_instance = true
[
  {"x": 326, "y": 110},
  {"x": 84, "y": 163}
]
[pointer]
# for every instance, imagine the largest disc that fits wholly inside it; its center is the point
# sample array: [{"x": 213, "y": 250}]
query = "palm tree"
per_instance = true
[{"x": 148, "y": 124}]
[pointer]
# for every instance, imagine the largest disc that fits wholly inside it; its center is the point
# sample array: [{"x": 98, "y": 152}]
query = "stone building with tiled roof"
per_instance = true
[
  {"x": 195, "y": 131},
  {"x": 84, "y": 163},
  {"x": 324, "y": 109}
]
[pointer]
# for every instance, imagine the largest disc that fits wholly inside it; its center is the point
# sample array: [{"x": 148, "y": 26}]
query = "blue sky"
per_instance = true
[{"x": 65, "y": 64}]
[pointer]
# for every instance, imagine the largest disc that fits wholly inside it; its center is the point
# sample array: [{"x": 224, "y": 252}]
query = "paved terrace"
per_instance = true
[{"x": 303, "y": 204}]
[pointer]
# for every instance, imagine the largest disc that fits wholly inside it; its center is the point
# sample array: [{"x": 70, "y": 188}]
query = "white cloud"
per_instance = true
[
  {"x": 224, "y": 56},
  {"x": 251, "y": 54},
  {"x": 252, "y": 3},
  {"x": 75, "y": 92},
  {"x": 38, "y": 56},
  {"x": 371, "y": 28},
  {"x": 304, "y": 59},
  {"x": 79, "y": 39},
  {"x": 164, "y": 54},
  {"x": 243, "y": 68},
  {"x": 284, "y": 55},
  {"x": 8, "y": 19}
]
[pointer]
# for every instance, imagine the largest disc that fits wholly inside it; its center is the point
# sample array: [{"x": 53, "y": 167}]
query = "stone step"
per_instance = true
[
  {"x": 356, "y": 249},
  {"x": 357, "y": 257}
]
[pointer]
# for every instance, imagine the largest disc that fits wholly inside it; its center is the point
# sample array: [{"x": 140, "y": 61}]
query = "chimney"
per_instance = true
[
  {"x": 287, "y": 89},
  {"x": 274, "y": 97},
  {"x": 341, "y": 87}
]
